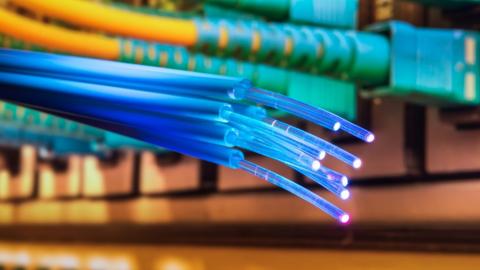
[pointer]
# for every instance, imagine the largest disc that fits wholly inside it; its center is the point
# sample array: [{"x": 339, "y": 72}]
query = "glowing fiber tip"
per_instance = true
[
  {"x": 370, "y": 138},
  {"x": 345, "y": 194},
  {"x": 357, "y": 163},
  {"x": 316, "y": 165},
  {"x": 322, "y": 155},
  {"x": 344, "y": 218},
  {"x": 337, "y": 126},
  {"x": 344, "y": 181}
]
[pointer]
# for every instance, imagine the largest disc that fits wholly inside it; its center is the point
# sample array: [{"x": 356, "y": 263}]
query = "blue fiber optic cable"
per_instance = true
[
  {"x": 274, "y": 151},
  {"x": 283, "y": 103},
  {"x": 249, "y": 110},
  {"x": 305, "y": 111},
  {"x": 203, "y": 131},
  {"x": 218, "y": 154},
  {"x": 334, "y": 175},
  {"x": 155, "y": 79},
  {"x": 310, "y": 139},
  {"x": 261, "y": 129},
  {"x": 144, "y": 77},
  {"x": 141, "y": 100},
  {"x": 289, "y": 143},
  {"x": 291, "y": 148},
  {"x": 295, "y": 189},
  {"x": 333, "y": 184}
]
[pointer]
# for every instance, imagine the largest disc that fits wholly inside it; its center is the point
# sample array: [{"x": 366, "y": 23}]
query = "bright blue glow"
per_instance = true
[
  {"x": 344, "y": 181},
  {"x": 344, "y": 218},
  {"x": 316, "y": 165},
  {"x": 357, "y": 163},
  {"x": 345, "y": 194},
  {"x": 357, "y": 131},
  {"x": 322, "y": 155},
  {"x": 370, "y": 138},
  {"x": 337, "y": 126}
]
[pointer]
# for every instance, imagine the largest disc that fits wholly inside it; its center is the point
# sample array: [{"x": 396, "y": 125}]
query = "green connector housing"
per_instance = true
[
  {"x": 348, "y": 55},
  {"x": 116, "y": 141},
  {"x": 277, "y": 9},
  {"x": 336, "y": 96},
  {"x": 214, "y": 11},
  {"x": 328, "y": 13},
  {"x": 432, "y": 66},
  {"x": 155, "y": 11}
]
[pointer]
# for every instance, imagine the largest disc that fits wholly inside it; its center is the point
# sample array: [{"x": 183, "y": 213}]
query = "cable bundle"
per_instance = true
[
  {"x": 352, "y": 55},
  {"x": 206, "y": 116}
]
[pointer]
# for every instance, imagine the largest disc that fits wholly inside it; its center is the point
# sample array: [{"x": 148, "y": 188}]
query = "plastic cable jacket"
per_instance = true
[
  {"x": 210, "y": 152},
  {"x": 147, "y": 78},
  {"x": 122, "y": 117},
  {"x": 116, "y": 21},
  {"x": 57, "y": 38},
  {"x": 200, "y": 108},
  {"x": 294, "y": 188}
]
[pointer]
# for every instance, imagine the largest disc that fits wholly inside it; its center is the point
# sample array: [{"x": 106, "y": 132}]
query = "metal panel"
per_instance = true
[
  {"x": 19, "y": 185},
  {"x": 110, "y": 177},
  {"x": 65, "y": 183},
  {"x": 178, "y": 176},
  {"x": 453, "y": 202},
  {"x": 449, "y": 149}
]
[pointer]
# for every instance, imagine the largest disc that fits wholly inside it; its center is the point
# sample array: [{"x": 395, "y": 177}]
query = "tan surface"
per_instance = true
[{"x": 228, "y": 258}]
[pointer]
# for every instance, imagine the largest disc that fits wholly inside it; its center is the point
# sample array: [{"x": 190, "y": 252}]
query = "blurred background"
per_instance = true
[{"x": 407, "y": 70}]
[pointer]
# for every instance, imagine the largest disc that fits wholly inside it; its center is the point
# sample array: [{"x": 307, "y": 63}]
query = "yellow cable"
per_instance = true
[
  {"x": 116, "y": 21},
  {"x": 57, "y": 38}
]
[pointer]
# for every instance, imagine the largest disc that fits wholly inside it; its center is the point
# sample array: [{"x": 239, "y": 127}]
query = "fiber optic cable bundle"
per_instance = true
[{"x": 206, "y": 116}]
